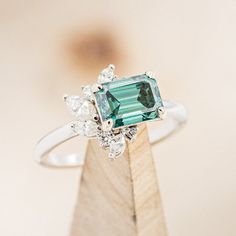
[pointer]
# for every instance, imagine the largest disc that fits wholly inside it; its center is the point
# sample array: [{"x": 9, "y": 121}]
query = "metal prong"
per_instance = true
[
  {"x": 107, "y": 125},
  {"x": 111, "y": 156},
  {"x": 130, "y": 133},
  {"x": 129, "y": 138},
  {"x": 161, "y": 112},
  {"x": 150, "y": 74},
  {"x": 111, "y": 66},
  {"x": 65, "y": 96},
  {"x": 96, "y": 87},
  {"x": 95, "y": 117},
  {"x": 115, "y": 78}
]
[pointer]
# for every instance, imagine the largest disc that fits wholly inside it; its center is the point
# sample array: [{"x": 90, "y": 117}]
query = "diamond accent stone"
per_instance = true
[
  {"x": 77, "y": 127},
  {"x": 86, "y": 111},
  {"x": 87, "y": 128},
  {"x": 73, "y": 103},
  {"x": 87, "y": 91},
  {"x": 106, "y": 75},
  {"x": 130, "y": 132},
  {"x": 105, "y": 138},
  {"x": 90, "y": 128},
  {"x": 117, "y": 146}
]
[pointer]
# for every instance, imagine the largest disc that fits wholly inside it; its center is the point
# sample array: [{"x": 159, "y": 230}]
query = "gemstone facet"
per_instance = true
[{"x": 129, "y": 101}]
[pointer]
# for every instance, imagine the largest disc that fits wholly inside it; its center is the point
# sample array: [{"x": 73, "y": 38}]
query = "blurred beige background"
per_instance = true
[{"x": 48, "y": 48}]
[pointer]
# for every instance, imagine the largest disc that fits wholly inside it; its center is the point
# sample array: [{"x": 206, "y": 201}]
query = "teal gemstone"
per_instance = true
[{"x": 129, "y": 101}]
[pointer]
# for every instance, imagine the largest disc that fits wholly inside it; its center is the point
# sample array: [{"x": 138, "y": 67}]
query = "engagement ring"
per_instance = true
[{"x": 111, "y": 111}]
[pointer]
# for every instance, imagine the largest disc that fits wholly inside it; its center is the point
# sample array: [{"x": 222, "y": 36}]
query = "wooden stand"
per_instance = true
[{"x": 121, "y": 197}]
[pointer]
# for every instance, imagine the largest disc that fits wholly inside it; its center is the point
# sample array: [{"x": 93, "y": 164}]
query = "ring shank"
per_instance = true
[
  {"x": 158, "y": 130},
  {"x": 176, "y": 116}
]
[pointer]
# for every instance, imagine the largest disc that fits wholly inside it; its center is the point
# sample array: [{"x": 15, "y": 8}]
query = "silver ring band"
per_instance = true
[{"x": 175, "y": 116}]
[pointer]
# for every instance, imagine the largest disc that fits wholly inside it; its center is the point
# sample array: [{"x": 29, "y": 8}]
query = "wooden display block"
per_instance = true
[{"x": 121, "y": 197}]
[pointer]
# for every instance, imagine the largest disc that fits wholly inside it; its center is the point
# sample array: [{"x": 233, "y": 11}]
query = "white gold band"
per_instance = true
[{"x": 158, "y": 130}]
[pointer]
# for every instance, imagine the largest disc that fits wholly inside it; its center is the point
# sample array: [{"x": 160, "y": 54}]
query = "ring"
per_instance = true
[{"x": 111, "y": 110}]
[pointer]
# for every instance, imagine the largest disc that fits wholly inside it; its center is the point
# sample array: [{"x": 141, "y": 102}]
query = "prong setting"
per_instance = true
[
  {"x": 64, "y": 97},
  {"x": 107, "y": 125},
  {"x": 95, "y": 117},
  {"x": 111, "y": 66},
  {"x": 96, "y": 87},
  {"x": 150, "y": 74},
  {"x": 107, "y": 74},
  {"x": 91, "y": 122},
  {"x": 161, "y": 112}
]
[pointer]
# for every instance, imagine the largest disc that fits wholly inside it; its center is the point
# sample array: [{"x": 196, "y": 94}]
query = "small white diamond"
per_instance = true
[
  {"x": 78, "y": 127},
  {"x": 130, "y": 132},
  {"x": 86, "y": 111},
  {"x": 117, "y": 146},
  {"x": 106, "y": 75},
  {"x": 87, "y": 128},
  {"x": 90, "y": 128},
  {"x": 105, "y": 138},
  {"x": 87, "y": 91},
  {"x": 73, "y": 103}
]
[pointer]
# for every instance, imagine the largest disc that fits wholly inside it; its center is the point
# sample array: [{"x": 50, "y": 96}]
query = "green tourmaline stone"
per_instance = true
[{"x": 129, "y": 101}]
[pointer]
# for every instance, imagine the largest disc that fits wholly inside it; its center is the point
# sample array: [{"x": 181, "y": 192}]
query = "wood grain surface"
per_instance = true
[{"x": 119, "y": 197}]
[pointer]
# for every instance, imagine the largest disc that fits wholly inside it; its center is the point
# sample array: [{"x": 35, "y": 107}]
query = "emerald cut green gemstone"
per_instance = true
[{"x": 129, "y": 101}]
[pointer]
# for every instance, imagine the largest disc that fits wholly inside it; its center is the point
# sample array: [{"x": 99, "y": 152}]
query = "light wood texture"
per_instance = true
[{"x": 119, "y": 197}]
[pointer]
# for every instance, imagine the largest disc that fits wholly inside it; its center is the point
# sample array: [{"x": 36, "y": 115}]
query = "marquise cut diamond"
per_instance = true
[
  {"x": 117, "y": 146},
  {"x": 106, "y": 75},
  {"x": 105, "y": 138},
  {"x": 86, "y": 111},
  {"x": 87, "y": 128},
  {"x": 87, "y": 91},
  {"x": 77, "y": 127},
  {"x": 90, "y": 128},
  {"x": 73, "y": 103},
  {"x": 81, "y": 108}
]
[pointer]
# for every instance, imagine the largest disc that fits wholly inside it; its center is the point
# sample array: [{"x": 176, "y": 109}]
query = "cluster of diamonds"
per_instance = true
[{"x": 88, "y": 123}]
